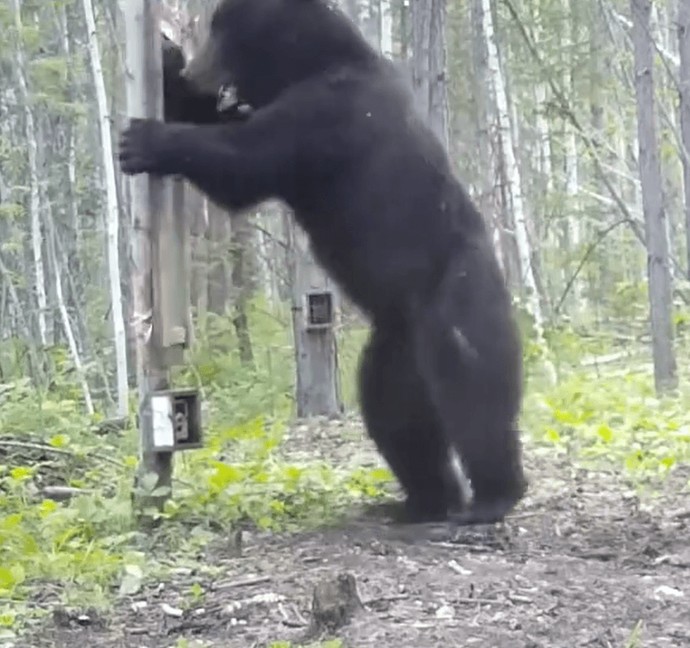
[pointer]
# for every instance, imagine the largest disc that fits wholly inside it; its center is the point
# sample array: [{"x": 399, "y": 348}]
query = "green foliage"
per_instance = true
[
  {"x": 681, "y": 323},
  {"x": 635, "y": 638},
  {"x": 43, "y": 541},
  {"x": 240, "y": 392},
  {"x": 10, "y": 212},
  {"x": 614, "y": 419},
  {"x": 89, "y": 549},
  {"x": 13, "y": 359},
  {"x": 26, "y": 411},
  {"x": 350, "y": 346},
  {"x": 238, "y": 476},
  {"x": 629, "y": 299},
  {"x": 49, "y": 75}
]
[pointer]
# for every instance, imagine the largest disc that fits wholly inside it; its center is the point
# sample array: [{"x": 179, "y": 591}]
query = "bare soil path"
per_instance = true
[{"x": 580, "y": 563}]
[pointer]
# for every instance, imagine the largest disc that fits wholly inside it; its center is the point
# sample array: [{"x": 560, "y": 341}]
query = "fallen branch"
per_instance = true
[
  {"x": 64, "y": 493},
  {"x": 44, "y": 447},
  {"x": 242, "y": 582},
  {"x": 604, "y": 359}
]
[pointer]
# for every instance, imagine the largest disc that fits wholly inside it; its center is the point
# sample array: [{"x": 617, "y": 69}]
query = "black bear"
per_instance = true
[
  {"x": 334, "y": 134},
  {"x": 182, "y": 102}
]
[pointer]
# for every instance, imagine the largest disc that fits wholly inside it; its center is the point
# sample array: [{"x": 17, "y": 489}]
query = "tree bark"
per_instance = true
[
  {"x": 429, "y": 63},
  {"x": 218, "y": 258},
  {"x": 684, "y": 92},
  {"x": 241, "y": 252},
  {"x": 34, "y": 199},
  {"x": 660, "y": 294},
  {"x": 148, "y": 195},
  {"x": 113, "y": 213},
  {"x": 316, "y": 356}
]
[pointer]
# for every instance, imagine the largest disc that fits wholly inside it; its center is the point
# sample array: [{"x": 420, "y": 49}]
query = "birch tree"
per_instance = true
[
  {"x": 497, "y": 92},
  {"x": 490, "y": 185},
  {"x": 113, "y": 214},
  {"x": 659, "y": 275},
  {"x": 242, "y": 233},
  {"x": 684, "y": 92},
  {"x": 429, "y": 63},
  {"x": 31, "y": 153},
  {"x": 386, "y": 27},
  {"x": 572, "y": 175},
  {"x": 64, "y": 316}
]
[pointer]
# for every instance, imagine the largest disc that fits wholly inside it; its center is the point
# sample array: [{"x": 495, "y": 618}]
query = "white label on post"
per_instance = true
[{"x": 161, "y": 413}]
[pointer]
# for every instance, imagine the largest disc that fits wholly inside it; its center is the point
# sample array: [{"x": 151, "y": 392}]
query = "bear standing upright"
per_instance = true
[{"x": 334, "y": 134}]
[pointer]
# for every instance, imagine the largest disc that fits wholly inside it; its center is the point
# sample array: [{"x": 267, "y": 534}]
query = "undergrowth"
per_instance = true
[{"x": 88, "y": 549}]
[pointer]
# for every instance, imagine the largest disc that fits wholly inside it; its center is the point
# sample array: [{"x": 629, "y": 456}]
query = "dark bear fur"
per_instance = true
[
  {"x": 335, "y": 136},
  {"x": 183, "y": 103}
]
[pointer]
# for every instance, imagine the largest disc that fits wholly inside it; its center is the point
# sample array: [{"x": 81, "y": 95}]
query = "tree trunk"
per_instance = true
[
  {"x": 490, "y": 184},
  {"x": 386, "y": 28},
  {"x": 242, "y": 286},
  {"x": 62, "y": 308},
  {"x": 660, "y": 296},
  {"x": 684, "y": 83},
  {"x": 148, "y": 195},
  {"x": 113, "y": 214},
  {"x": 34, "y": 200},
  {"x": 512, "y": 172},
  {"x": 316, "y": 357},
  {"x": 573, "y": 225},
  {"x": 218, "y": 253},
  {"x": 429, "y": 63}
]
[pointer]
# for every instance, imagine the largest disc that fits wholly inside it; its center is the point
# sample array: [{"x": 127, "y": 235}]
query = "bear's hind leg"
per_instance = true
[
  {"x": 403, "y": 425},
  {"x": 468, "y": 353}
]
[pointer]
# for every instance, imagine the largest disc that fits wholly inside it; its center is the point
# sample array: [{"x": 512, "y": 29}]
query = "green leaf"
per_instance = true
[
  {"x": 565, "y": 417},
  {"x": 634, "y": 460},
  {"x": 47, "y": 507},
  {"x": 7, "y": 620},
  {"x": 21, "y": 473},
  {"x": 224, "y": 475},
  {"x": 59, "y": 441},
  {"x": 10, "y": 577},
  {"x": 196, "y": 590},
  {"x": 293, "y": 473},
  {"x": 161, "y": 491},
  {"x": 605, "y": 433},
  {"x": 131, "y": 581},
  {"x": 668, "y": 462},
  {"x": 148, "y": 482},
  {"x": 553, "y": 436}
]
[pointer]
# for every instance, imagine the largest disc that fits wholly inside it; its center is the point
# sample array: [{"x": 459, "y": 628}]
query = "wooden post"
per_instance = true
[
  {"x": 314, "y": 310},
  {"x": 151, "y": 199}
]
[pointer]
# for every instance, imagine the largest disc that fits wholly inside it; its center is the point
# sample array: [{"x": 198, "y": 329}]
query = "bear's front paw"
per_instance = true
[{"x": 141, "y": 147}]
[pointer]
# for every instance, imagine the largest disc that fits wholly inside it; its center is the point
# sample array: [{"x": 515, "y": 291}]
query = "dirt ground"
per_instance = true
[{"x": 581, "y": 563}]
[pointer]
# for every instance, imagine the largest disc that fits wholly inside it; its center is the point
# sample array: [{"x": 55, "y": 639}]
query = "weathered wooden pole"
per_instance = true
[
  {"x": 314, "y": 311},
  {"x": 151, "y": 197}
]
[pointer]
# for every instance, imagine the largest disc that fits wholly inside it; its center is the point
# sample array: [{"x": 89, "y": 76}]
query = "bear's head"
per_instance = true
[{"x": 262, "y": 47}]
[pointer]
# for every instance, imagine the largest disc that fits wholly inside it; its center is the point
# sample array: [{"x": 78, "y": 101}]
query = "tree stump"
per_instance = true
[{"x": 335, "y": 601}]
